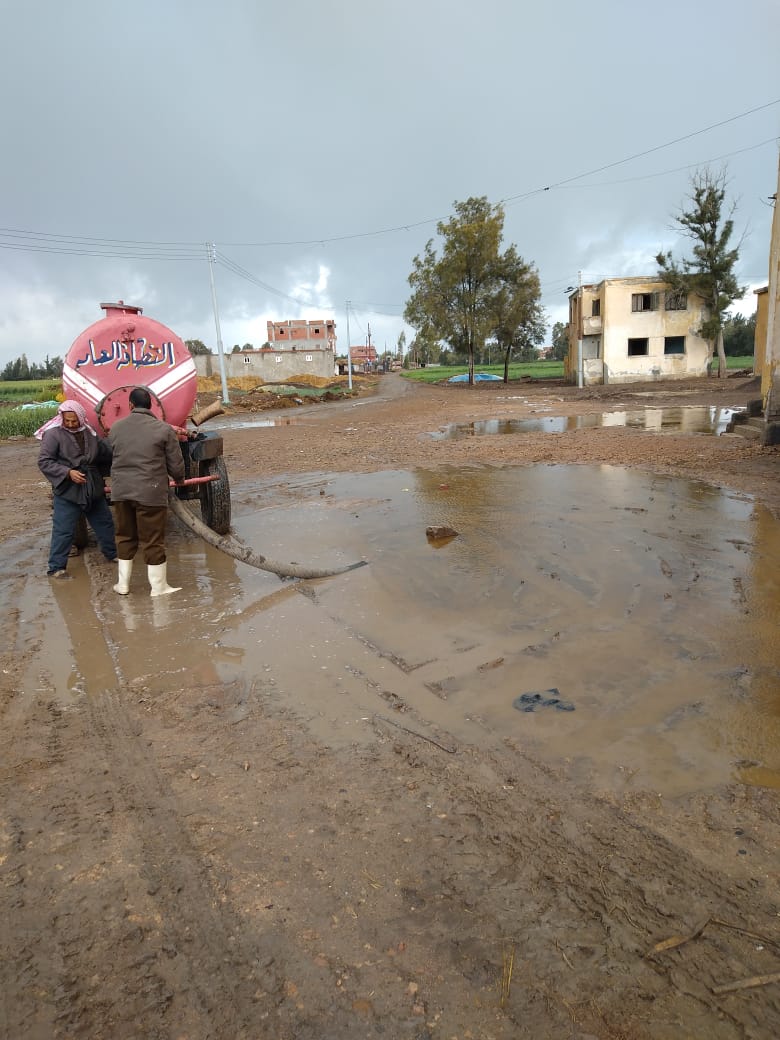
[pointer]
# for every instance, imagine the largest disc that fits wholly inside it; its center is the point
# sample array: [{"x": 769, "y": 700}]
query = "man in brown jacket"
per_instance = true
[{"x": 146, "y": 452}]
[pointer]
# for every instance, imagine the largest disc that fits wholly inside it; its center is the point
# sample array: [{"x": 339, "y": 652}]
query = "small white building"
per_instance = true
[{"x": 634, "y": 329}]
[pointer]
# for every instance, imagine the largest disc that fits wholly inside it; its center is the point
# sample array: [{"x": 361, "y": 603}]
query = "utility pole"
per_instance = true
[
  {"x": 579, "y": 329},
  {"x": 770, "y": 376},
  {"x": 349, "y": 351},
  {"x": 212, "y": 256},
  {"x": 368, "y": 345}
]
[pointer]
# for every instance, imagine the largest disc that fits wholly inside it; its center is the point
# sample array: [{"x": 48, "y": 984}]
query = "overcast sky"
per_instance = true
[{"x": 290, "y": 134}]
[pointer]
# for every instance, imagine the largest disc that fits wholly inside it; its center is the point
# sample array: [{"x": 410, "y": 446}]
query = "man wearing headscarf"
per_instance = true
[{"x": 75, "y": 460}]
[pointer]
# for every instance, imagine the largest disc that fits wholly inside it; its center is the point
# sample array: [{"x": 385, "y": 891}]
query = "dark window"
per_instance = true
[
  {"x": 281, "y": 332},
  {"x": 637, "y": 347},
  {"x": 676, "y": 300},
  {"x": 595, "y": 309},
  {"x": 674, "y": 344},
  {"x": 644, "y": 301},
  {"x": 316, "y": 332}
]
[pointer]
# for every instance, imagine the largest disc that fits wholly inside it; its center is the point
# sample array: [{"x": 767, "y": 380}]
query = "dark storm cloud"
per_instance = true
[{"x": 248, "y": 124}]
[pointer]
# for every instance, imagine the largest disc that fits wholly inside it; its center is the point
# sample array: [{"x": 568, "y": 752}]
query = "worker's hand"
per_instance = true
[{"x": 77, "y": 476}]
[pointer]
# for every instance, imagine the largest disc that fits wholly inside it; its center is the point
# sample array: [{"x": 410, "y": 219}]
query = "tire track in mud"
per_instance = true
[
  {"x": 625, "y": 889},
  {"x": 112, "y": 923},
  {"x": 213, "y": 969},
  {"x": 584, "y": 900}
]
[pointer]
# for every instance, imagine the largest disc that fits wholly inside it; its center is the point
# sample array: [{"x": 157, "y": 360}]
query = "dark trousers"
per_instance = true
[
  {"x": 63, "y": 527},
  {"x": 137, "y": 524}
]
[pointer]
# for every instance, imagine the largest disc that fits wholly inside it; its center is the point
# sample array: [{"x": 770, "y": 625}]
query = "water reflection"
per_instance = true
[
  {"x": 651, "y": 603},
  {"x": 679, "y": 419},
  {"x": 632, "y": 594}
]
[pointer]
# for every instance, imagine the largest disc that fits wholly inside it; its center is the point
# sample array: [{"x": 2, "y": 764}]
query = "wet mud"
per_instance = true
[{"x": 311, "y": 809}]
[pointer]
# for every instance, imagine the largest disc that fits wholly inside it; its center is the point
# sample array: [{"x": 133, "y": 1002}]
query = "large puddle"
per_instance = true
[
  {"x": 650, "y": 605},
  {"x": 678, "y": 419}
]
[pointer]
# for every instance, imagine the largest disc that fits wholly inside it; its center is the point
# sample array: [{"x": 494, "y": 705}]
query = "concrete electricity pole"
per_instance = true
[
  {"x": 770, "y": 382},
  {"x": 579, "y": 329},
  {"x": 212, "y": 255},
  {"x": 349, "y": 351}
]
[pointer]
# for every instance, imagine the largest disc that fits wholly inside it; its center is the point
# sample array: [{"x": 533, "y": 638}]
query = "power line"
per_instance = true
[
  {"x": 649, "y": 151},
  {"x": 131, "y": 249},
  {"x": 88, "y": 239},
  {"x": 249, "y": 277},
  {"x": 679, "y": 169},
  {"x": 73, "y": 250}
]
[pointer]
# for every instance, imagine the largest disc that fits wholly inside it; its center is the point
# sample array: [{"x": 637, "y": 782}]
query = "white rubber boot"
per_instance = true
[
  {"x": 158, "y": 579},
  {"x": 125, "y": 570}
]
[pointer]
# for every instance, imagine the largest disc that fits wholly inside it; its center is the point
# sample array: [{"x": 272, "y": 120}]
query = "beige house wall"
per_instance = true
[
  {"x": 605, "y": 337},
  {"x": 270, "y": 366},
  {"x": 770, "y": 377},
  {"x": 759, "y": 341}
]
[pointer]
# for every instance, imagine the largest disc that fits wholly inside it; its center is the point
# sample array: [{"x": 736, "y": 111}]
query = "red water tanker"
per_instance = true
[{"x": 124, "y": 350}]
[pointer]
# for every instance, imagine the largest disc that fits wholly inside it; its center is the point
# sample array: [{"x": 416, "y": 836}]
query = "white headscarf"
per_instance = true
[{"x": 66, "y": 406}]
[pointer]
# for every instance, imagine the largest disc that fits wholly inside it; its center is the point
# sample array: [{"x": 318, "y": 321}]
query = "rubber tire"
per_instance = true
[{"x": 215, "y": 496}]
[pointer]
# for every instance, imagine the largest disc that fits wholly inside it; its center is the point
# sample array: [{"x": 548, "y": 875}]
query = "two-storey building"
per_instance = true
[{"x": 624, "y": 330}]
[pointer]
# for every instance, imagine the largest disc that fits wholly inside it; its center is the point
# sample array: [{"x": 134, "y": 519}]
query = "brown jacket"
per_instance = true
[{"x": 146, "y": 452}]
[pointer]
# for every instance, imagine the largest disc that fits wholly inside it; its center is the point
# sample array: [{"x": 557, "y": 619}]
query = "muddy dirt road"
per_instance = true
[{"x": 260, "y": 809}]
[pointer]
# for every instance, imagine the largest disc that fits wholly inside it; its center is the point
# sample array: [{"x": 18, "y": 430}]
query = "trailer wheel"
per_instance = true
[{"x": 215, "y": 496}]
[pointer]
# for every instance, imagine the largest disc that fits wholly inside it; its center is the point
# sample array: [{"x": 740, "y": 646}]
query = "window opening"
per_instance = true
[
  {"x": 596, "y": 309},
  {"x": 674, "y": 344},
  {"x": 638, "y": 347},
  {"x": 644, "y": 301}
]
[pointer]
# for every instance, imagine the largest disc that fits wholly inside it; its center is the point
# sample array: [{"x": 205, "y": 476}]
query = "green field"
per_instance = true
[
  {"x": 519, "y": 370},
  {"x": 534, "y": 369},
  {"x": 23, "y": 390},
  {"x": 15, "y": 422}
]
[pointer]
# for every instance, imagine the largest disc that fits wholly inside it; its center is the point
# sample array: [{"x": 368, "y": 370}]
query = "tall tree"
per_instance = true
[
  {"x": 518, "y": 317},
  {"x": 425, "y": 346},
  {"x": 739, "y": 335},
  {"x": 452, "y": 292},
  {"x": 709, "y": 272},
  {"x": 401, "y": 345},
  {"x": 560, "y": 341}
]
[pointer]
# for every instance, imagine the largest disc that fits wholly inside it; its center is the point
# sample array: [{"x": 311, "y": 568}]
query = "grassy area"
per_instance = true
[
  {"x": 534, "y": 369},
  {"x": 24, "y": 390},
  {"x": 518, "y": 370},
  {"x": 17, "y": 423}
]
